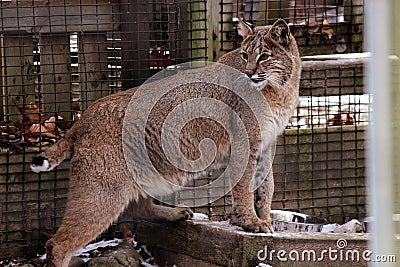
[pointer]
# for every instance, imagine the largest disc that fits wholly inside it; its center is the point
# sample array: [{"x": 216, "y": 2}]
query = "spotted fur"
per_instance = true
[{"x": 101, "y": 185}]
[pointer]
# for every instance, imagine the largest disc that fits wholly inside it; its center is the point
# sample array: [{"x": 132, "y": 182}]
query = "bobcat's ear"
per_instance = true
[
  {"x": 280, "y": 32},
  {"x": 244, "y": 29}
]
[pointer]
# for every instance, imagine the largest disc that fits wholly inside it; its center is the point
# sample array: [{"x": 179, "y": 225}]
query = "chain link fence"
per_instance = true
[{"x": 57, "y": 57}]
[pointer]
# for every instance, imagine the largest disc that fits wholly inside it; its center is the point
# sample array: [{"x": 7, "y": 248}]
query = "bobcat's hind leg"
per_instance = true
[
  {"x": 145, "y": 209},
  {"x": 91, "y": 208}
]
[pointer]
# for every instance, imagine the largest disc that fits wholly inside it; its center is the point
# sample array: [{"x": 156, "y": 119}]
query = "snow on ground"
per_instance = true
[
  {"x": 329, "y": 228},
  {"x": 324, "y": 111},
  {"x": 87, "y": 252},
  {"x": 102, "y": 244},
  {"x": 149, "y": 265},
  {"x": 84, "y": 254},
  {"x": 200, "y": 216},
  {"x": 228, "y": 226}
]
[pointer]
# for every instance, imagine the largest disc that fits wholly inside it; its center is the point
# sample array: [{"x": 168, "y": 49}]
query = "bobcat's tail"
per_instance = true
[{"x": 52, "y": 157}]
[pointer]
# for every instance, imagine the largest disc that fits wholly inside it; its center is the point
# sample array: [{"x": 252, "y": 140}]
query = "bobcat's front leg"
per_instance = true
[
  {"x": 245, "y": 214},
  {"x": 263, "y": 196},
  {"x": 265, "y": 183}
]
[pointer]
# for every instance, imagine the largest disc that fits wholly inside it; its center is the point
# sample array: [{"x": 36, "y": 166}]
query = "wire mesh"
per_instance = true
[
  {"x": 320, "y": 26},
  {"x": 319, "y": 166},
  {"x": 56, "y": 59},
  {"x": 60, "y": 56},
  {"x": 320, "y": 161}
]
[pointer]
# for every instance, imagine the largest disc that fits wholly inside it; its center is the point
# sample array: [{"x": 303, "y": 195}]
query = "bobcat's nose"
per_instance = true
[{"x": 249, "y": 73}]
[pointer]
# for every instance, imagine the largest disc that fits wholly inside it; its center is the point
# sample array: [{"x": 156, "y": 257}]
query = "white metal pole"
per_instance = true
[{"x": 380, "y": 176}]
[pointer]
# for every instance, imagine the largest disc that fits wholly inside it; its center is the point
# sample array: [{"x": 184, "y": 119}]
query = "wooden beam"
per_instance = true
[
  {"x": 180, "y": 40},
  {"x": 213, "y": 33},
  {"x": 198, "y": 30},
  {"x": 93, "y": 71},
  {"x": 58, "y": 16},
  {"x": 354, "y": 14},
  {"x": 18, "y": 74},
  {"x": 332, "y": 77},
  {"x": 135, "y": 47},
  {"x": 221, "y": 244},
  {"x": 55, "y": 68}
]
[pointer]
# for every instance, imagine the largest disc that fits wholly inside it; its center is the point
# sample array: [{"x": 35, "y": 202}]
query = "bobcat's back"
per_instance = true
[{"x": 268, "y": 56}]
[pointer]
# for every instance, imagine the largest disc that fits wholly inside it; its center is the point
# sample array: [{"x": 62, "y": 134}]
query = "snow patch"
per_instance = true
[
  {"x": 353, "y": 226},
  {"x": 329, "y": 228},
  {"x": 200, "y": 216},
  {"x": 228, "y": 226},
  {"x": 84, "y": 254},
  {"x": 148, "y": 264},
  {"x": 102, "y": 244}
]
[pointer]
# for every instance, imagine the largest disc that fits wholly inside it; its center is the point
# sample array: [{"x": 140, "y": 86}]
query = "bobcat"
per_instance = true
[{"x": 101, "y": 185}]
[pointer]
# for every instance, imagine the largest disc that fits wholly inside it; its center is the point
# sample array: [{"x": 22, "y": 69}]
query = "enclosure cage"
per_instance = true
[{"x": 57, "y": 57}]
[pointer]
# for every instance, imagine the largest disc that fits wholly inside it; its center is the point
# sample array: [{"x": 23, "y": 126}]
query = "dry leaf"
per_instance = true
[
  {"x": 62, "y": 123},
  {"x": 311, "y": 27},
  {"x": 128, "y": 236},
  {"x": 33, "y": 139},
  {"x": 35, "y": 129},
  {"x": 38, "y": 129},
  {"x": 160, "y": 57},
  {"x": 316, "y": 28},
  {"x": 328, "y": 31},
  {"x": 50, "y": 124}
]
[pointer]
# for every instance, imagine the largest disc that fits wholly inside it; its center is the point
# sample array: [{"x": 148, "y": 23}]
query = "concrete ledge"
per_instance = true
[{"x": 204, "y": 243}]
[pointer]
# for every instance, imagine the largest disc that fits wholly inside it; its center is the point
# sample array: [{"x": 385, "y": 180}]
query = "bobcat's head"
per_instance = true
[{"x": 270, "y": 55}]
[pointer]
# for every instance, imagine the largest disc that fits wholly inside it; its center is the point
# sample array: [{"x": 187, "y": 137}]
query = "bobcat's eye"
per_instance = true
[
  {"x": 244, "y": 56},
  {"x": 263, "y": 57}
]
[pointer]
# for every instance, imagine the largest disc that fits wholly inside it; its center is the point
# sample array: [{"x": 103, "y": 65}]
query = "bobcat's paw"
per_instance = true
[
  {"x": 183, "y": 213},
  {"x": 40, "y": 164},
  {"x": 256, "y": 225},
  {"x": 265, "y": 227}
]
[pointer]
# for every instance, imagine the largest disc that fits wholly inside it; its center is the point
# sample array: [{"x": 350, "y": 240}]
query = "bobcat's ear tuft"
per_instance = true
[
  {"x": 280, "y": 32},
  {"x": 244, "y": 29}
]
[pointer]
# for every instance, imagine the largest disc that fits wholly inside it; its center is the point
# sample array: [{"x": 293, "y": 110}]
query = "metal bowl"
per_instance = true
[{"x": 295, "y": 222}]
